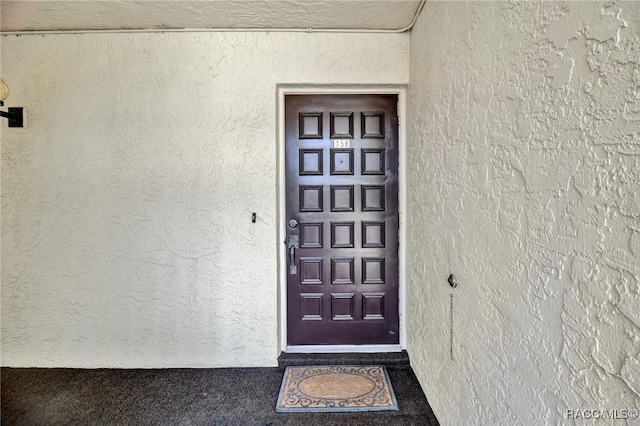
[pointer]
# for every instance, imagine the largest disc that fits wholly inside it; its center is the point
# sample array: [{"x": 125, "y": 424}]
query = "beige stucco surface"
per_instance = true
[
  {"x": 524, "y": 181},
  {"x": 57, "y": 15},
  {"x": 126, "y": 201}
]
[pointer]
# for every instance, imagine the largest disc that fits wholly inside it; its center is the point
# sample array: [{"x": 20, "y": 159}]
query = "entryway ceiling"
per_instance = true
[{"x": 72, "y": 15}]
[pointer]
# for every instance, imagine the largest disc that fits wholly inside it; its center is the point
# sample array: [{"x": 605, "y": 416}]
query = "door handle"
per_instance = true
[{"x": 294, "y": 243}]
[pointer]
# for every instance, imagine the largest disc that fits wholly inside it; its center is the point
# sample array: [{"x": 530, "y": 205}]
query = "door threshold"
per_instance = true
[
  {"x": 388, "y": 359},
  {"x": 333, "y": 349}
]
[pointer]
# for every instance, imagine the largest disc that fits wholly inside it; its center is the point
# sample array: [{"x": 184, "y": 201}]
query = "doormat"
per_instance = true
[{"x": 336, "y": 388}]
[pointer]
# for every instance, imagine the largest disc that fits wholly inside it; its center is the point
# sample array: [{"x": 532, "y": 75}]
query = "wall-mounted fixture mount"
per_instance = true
[
  {"x": 453, "y": 281},
  {"x": 15, "y": 115}
]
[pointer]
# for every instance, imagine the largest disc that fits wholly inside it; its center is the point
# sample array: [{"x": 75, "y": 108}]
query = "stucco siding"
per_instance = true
[
  {"x": 524, "y": 181},
  {"x": 127, "y": 238}
]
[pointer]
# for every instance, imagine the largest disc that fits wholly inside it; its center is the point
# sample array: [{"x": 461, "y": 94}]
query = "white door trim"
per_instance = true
[{"x": 282, "y": 90}]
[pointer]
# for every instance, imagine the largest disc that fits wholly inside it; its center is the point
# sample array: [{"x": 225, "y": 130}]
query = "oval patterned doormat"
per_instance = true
[{"x": 336, "y": 388}]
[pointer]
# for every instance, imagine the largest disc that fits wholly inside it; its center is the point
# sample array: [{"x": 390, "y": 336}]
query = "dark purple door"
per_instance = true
[{"x": 342, "y": 219}]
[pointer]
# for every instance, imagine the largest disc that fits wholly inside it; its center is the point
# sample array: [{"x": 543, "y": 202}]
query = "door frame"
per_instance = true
[{"x": 364, "y": 89}]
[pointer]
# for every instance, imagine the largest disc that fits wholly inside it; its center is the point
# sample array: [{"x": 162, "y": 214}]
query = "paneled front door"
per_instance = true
[{"x": 342, "y": 219}]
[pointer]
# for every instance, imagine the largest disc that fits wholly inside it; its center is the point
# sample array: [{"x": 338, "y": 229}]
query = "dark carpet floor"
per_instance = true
[{"x": 220, "y": 397}]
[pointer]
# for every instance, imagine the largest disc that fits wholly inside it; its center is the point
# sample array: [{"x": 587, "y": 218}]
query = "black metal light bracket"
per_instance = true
[{"x": 14, "y": 114}]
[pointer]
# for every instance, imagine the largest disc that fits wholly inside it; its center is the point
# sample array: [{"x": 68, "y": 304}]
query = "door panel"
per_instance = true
[{"x": 342, "y": 219}]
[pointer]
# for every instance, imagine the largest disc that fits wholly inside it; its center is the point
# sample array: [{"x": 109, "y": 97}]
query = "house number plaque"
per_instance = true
[{"x": 341, "y": 143}]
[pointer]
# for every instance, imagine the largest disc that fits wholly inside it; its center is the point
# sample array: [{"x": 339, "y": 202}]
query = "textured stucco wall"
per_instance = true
[
  {"x": 126, "y": 203},
  {"x": 524, "y": 181}
]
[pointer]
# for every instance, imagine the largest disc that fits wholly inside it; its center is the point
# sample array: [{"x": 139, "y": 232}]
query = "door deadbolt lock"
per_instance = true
[{"x": 293, "y": 223}]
